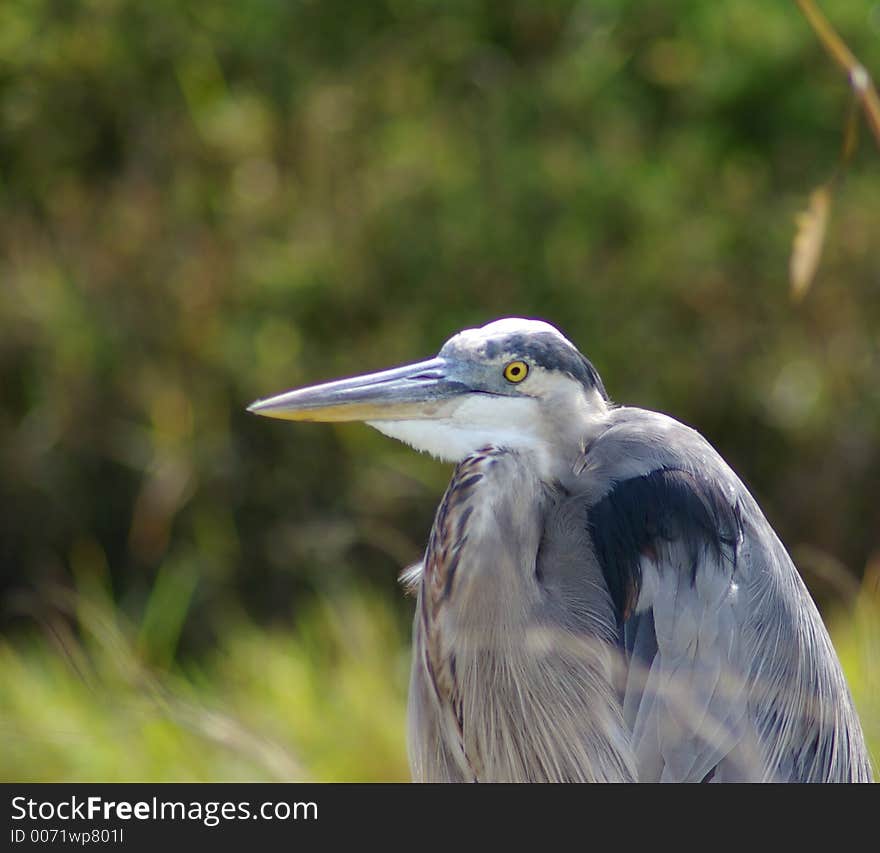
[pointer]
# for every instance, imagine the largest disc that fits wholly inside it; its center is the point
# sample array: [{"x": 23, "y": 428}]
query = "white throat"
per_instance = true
[{"x": 510, "y": 422}]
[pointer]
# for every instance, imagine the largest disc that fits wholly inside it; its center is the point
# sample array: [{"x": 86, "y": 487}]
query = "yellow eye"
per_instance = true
[{"x": 516, "y": 371}]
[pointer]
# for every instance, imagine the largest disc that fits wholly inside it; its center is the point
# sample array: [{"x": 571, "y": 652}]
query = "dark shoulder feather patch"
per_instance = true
[{"x": 639, "y": 515}]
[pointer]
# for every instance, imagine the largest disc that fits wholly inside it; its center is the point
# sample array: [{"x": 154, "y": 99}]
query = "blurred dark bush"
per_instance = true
[{"x": 204, "y": 203}]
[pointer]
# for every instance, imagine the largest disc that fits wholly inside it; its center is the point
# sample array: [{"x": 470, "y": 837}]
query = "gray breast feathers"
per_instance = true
[{"x": 502, "y": 688}]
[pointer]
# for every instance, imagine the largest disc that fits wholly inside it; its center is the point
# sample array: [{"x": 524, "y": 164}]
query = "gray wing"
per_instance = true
[
  {"x": 730, "y": 674},
  {"x": 685, "y": 696},
  {"x": 671, "y": 550}
]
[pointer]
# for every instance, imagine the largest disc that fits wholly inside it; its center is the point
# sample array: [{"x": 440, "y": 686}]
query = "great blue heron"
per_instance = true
[{"x": 601, "y": 597}]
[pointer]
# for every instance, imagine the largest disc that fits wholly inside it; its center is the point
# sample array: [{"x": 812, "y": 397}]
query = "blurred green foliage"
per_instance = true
[
  {"x": 326, "y": 701},
  {"x": 204, "y": 203}
]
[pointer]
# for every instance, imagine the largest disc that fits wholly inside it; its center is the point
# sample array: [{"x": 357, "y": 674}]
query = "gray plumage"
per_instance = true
[{"x": 601, "y": 598}]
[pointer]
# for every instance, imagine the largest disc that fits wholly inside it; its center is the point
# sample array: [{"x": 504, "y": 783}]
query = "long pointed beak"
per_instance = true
[{"x": 414, "y": 391}]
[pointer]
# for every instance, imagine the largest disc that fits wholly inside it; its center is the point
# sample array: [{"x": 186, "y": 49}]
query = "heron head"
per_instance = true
[{"x": 514, "y": 383}]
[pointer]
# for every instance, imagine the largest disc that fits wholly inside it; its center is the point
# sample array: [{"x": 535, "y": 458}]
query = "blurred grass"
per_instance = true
[
  {"x": 324, "y": 702},
  {"x": 856, "y": 636}
]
